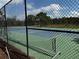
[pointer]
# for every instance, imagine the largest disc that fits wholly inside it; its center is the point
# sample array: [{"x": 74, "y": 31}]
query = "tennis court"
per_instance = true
[{"x": 65, "y": 43}]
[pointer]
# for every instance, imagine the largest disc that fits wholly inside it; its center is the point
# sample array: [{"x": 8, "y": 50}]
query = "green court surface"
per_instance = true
[
  {"x": 64, "y": 43},
  {"x": 32, "y": 53}
]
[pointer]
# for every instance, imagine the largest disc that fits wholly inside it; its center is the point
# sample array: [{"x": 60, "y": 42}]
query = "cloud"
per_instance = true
[
  {"x": 1, "y": 5},
  {"x": 30, "y": 6},
  {"x": 73, "y": 14},
  {"x": 52, "y": 9},
  {"x": 34, "y": 12},
  {"x": 3, "y": 2},
  {"x": 21, "y": 16},
  {"x": 17, "y": 1}
]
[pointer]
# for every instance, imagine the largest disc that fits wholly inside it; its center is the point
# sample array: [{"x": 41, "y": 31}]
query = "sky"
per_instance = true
[
  {"x": 3, "y": 2},
  {"x": 53, "y": 8}
]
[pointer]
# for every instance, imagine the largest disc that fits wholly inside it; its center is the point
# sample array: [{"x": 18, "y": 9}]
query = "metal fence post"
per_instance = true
[
  {"x": 5, "y": 23},
  {"x": 27, "y": 43}
]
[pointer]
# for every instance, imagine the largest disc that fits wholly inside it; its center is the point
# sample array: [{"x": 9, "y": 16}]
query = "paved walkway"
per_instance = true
[{"x": 2, "y": 55}]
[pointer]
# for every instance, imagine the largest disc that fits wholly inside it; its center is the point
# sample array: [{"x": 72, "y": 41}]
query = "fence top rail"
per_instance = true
[
  {"x": 5, "y": 4},
  {"x": 74, "y": 31}
]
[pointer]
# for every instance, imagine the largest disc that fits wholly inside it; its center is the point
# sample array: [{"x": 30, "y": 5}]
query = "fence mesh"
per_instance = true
[
  {"x": 3, "y": 24},
  {"x": 15, "y": 15},
  {"x": 60, "y": 16},
  {"x": 53, "y": 31}
]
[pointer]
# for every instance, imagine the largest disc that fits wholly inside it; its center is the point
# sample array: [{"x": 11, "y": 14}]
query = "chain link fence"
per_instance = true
[
  {"x": 55, "y": 27},
  {"x": 44, "y": 29}
]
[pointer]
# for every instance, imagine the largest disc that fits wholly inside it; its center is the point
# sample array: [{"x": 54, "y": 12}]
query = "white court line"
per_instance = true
[
  {"x": 56, "y": 55},
  {"x": 57, "y": 35}
]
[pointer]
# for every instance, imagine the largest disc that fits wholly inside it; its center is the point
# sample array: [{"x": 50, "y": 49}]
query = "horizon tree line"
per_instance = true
[{"x": 41, "y": 19}]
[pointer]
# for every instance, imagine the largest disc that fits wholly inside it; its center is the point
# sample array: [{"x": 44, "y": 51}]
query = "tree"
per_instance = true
[
  {"x": 30, "y": 19},
  {"x": 14, "y": 22},
  {"x": 43, "y": 18}
]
